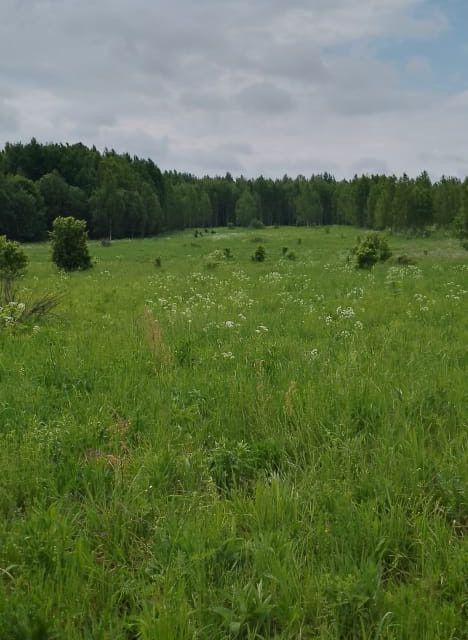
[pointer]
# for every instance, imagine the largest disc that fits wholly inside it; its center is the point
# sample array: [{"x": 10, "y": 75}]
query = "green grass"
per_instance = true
[{"x": 256, "y": 450}]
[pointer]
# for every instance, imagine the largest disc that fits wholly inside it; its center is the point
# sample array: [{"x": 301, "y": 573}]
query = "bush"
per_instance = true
[
  {"x": 255, "y": 223},
  {"x": 13, "y": 262},
  {"x": 157, "y": 262},
  {"x": 213, "y": 259},
  {"x": 371, "y": 249},
  {"x": 69, "y": 244},
  {"x": 260, "y": 254},
  {"x": 228, "y": 254}
]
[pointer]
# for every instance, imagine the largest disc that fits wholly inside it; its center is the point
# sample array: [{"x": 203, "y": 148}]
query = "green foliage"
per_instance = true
[
  {"x": 255, "y": 223},
  {"x": 246, "y": 208},
  {"x": 214, "y": 259},
  {"x": 461, "y": 220},
  {"x": 370, "y": 249},
  {"x": 69, "y": 244},
  {"x": 309, "y": 210},
  {"x": 123, "y": 196},
  {"x": 13, "y": 262},
  {"x": 260, "y": 254}
]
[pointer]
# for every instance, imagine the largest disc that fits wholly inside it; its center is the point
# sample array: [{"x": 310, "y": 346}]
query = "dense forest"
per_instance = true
[{"x": 123, "y": 196}]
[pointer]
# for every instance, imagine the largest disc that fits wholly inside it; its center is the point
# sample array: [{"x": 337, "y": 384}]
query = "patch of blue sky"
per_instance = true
[{"x": 438, "y": 61}]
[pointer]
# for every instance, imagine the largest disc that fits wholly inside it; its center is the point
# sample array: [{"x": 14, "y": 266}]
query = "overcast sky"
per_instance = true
[{"x": 247, "y": 86}]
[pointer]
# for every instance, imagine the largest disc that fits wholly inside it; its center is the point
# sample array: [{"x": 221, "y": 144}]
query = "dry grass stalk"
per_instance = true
[
  {"x": 153, "y": 333},
  {"x": 289, "y": 396}
]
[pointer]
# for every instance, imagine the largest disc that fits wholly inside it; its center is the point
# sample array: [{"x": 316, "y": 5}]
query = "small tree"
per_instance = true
[
  {"x": 13, "y": 262},
  {"x": 69, "y": 244},
  {"x": 260, "y": 254},
  {"x": 371, "y": 249}
]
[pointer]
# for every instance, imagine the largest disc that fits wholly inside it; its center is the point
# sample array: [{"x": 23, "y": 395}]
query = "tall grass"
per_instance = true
[{"x": 261, "y": 450}]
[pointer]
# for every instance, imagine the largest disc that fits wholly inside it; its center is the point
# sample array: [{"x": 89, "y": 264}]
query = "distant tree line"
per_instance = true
[{"x": 119, "y": 195}]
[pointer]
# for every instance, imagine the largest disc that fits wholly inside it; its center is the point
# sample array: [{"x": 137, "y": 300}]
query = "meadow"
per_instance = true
[{"x": 218, "y": 448}]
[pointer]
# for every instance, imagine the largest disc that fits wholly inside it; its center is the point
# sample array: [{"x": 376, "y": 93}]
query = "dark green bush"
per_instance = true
[
  {"x": 69, "y": 244},
  {"x": 255, "y": 223},
  {"x": 370, "y": 249},
  {"x": 260, "y": 254},
  {"x": 13, "y": 262}
]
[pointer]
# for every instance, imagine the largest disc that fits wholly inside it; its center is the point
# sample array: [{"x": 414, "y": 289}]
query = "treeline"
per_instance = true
[{"x": 123, "y": 196}]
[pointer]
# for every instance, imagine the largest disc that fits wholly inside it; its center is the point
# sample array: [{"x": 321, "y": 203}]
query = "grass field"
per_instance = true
[{"x": 252, "y": 450}]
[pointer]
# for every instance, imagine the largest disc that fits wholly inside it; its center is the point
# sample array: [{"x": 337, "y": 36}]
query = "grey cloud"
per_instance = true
[
  {"x": 258, "y": 98},
  {"x": 370, "y": 166},
  {"x": 8, "y": 116},
  {"x": 216, "y": 160},
  {"x": 263, "y": 97}
]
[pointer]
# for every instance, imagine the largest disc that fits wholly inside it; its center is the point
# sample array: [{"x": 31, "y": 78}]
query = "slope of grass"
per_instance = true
[{"x": 256, "y": 450}]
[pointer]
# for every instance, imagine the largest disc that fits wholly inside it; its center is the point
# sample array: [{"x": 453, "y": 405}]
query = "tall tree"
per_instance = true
[{"x": 246, "y": 208}]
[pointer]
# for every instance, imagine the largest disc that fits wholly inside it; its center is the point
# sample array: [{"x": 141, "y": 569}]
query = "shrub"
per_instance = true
[
  {"x": 69, "y": 244},
  {"x": 228, "y": 254},
  {"x": 255, "y": 223},
  {"x": 213, "y": 259},
  {"x": 371, "y": 249},
  {"x": 284, "y": 250},
  {"x": 260, "y": 254},
  {"x": 157, "y": 262},
  {"x": 13, "y": 262}
]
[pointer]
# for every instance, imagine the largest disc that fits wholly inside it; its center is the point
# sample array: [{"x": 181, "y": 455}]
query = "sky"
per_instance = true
[{"x": 253, "y": 87}]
